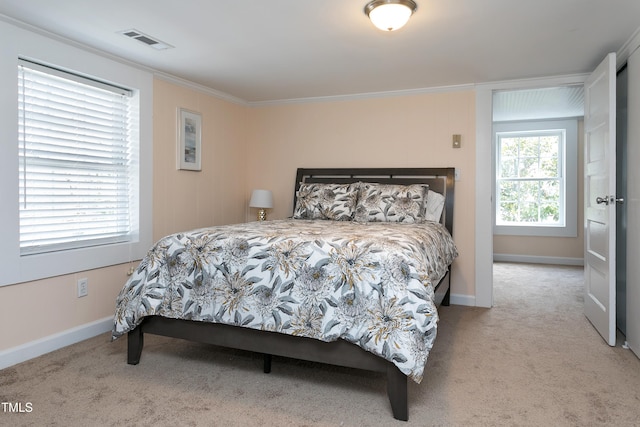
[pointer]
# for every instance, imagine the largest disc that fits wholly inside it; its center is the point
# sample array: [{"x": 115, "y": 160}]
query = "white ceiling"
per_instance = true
[{"x": 267, "y": 50}]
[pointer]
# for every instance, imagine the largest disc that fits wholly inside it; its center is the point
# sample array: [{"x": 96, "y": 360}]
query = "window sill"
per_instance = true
[{"x": 539, "y": 230}]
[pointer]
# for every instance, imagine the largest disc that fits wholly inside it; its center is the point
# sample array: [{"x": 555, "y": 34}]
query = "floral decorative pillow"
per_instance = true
[
  {"x": 433, "y": 206},
  {"x": 326, "y": 201},
  {"x": 391, "y": 203}
]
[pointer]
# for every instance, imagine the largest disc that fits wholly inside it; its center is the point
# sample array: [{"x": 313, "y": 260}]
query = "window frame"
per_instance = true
[
  {"x": 32, "y": 46},
  {"x": 103, "y": 134},
  {"x": 569, "y": 182}
]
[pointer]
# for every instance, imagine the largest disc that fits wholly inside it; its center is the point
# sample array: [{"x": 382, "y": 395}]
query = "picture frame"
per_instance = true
[{"x": 189, "y": 155}]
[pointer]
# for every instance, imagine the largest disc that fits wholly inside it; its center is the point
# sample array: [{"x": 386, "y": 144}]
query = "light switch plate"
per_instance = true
[{"x": 456, "y": 141}]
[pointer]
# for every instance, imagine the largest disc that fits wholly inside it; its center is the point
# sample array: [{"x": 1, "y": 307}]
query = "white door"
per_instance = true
[{"x": 600, "y": 199}]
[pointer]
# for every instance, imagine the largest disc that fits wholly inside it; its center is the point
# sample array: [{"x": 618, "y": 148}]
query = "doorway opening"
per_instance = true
[
  {"x": 537, "y": 192},
  {"x": 537, "y": 175}
]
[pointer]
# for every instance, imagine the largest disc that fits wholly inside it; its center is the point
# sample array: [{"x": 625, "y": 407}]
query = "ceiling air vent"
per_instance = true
[{"x": 148, "y": 40}]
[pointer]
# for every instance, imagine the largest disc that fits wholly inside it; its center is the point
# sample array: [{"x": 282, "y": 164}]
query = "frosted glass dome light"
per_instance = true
[{"x": 390, "y": 15}]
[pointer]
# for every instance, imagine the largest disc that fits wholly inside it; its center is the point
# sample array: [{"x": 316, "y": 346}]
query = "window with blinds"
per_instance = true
[{"x": 75, "y": 155}]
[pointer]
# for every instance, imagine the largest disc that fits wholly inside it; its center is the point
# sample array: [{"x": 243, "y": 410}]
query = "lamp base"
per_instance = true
[{"x": 262, "y": 215}]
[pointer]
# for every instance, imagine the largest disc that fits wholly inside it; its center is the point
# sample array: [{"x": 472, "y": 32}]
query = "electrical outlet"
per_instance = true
[{"x": 83, "y": 287}]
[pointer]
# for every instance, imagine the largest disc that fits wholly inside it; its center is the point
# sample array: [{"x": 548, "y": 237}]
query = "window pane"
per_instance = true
[
  {"x": 509, "y": 147},
  {"x": 508, "y": 191},
  {"x": 549, "y": 152},
  {"x": 529, "y": 191},
  {"x": 550, "y": 192},
  {"x": 529, "y": 212},
  {"x": 549, "y": 167},
  {"x": 529, "y": 147},
  {"x": 549, "y": 214},
  {"x": 528, "y": 167},
  {"x": 549, "y": 145},
  {"x": 508, "y": 167},
  {"x": 508, "y": 212}
]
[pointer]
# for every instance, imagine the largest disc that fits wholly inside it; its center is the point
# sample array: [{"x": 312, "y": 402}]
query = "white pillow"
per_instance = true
[{"x": 433, "y": 206}]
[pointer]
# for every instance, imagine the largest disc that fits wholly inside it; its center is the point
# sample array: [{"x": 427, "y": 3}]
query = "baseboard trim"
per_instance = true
[
  {"x": 33, "y": 349},
  {"x": 459, "y": 299},
  {"x": 531, "y": 259}
]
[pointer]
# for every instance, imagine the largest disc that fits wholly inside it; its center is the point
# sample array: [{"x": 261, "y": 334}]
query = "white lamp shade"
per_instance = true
[
  {"x": 390, "y": 16},
  {"x": 261, "y": 199}
]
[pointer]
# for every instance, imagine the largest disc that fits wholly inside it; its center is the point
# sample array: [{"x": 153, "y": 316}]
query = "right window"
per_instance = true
[{"x": 536, "y": 178}]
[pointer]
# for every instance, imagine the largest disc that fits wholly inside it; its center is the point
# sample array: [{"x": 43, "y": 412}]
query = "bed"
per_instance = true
[{"x": 353, "y": 278}]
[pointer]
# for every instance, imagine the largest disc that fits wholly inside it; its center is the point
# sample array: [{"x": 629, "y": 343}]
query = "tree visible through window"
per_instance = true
[{"x": 530, "y": 181}]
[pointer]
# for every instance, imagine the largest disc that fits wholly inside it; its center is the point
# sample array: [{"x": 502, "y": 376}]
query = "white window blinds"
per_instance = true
[{"x": 75, "y": 154}]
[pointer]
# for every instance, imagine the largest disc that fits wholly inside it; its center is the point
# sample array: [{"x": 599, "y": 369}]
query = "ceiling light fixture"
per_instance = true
[{"x": 390, "y": 15}]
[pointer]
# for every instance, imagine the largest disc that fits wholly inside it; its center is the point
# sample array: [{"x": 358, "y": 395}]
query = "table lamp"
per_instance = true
[{"x": 261, "y": 199}]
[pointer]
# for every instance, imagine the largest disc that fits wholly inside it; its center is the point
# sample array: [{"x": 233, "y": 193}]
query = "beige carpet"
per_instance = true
[{"x": 532, "y": 360}]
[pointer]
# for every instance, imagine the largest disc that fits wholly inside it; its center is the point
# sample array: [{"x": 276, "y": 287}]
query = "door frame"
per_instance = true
[{"x": 484, "y": 175}]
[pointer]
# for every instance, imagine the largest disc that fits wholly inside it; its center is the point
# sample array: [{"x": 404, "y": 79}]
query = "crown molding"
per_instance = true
[
  {"x": 360, "y": 96},
  {"x": 200, "y": 88},
  {"x": 628, "y": 48}
]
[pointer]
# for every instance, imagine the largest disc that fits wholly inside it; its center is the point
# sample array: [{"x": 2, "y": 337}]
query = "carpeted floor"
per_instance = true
[{"x": 532, "y": 360}]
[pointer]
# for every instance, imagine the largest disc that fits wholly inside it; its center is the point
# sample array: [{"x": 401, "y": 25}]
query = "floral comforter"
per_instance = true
[{"x": 371, "y": 284}]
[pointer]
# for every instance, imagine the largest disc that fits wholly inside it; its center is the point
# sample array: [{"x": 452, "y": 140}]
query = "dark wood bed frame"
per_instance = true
[{"x": 341, "y": 353}]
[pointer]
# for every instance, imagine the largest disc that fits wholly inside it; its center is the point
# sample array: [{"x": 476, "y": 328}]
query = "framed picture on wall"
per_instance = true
[{"x": 189, "y": 140}]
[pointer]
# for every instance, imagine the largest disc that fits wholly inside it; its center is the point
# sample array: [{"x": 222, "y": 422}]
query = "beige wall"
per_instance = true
[
  {"x": 181, "y": 200},
  {"x": 409, "y": 131},
  {"x": 558, "y": 247},
  {"x": 35, "y": 310},
  {"x": 184, "y": 200}
]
